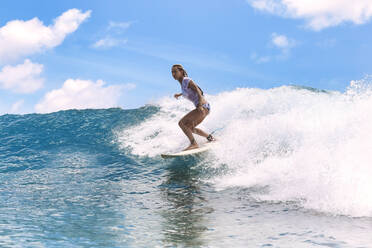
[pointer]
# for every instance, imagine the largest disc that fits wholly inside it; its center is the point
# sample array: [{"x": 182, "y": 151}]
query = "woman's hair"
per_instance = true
[{"x": 180, "y": 67}]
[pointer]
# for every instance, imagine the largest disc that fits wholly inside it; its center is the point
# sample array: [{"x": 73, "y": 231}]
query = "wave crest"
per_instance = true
[{"x": 304, "y": 145}]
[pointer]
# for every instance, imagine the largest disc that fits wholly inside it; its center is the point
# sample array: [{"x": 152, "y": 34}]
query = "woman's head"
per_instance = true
[{"x": 178, "y": 72}]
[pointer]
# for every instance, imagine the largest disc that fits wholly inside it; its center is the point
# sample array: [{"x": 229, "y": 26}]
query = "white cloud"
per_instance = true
[
  {"x": 263, "y": 59},
  {"x": 113, "y": 40},
  {"x": 280, "y": 41},
  {"x": 109, "y": 42},
  {"x": 82, "y": 94},
  {"x": 22, "y": 78},
  {"x": 119, "y": 26},
  {"x": 319, "y": 14},
  {"x": 16, "y": 106},
  {"x": 260, "y": 59},
  {"x": 21, "y": 38},
  {"x": 129, "y": 86}
]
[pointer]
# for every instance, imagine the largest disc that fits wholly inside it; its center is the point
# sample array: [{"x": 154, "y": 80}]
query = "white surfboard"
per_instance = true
[{"x": 202, "y": 148}]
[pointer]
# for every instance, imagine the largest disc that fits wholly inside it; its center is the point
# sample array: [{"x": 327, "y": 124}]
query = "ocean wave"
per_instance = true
[{"x": 304, "y": 145}]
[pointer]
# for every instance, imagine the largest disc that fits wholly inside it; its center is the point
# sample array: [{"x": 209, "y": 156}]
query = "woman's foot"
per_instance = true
[
  {"x": 192, "y": 146},
  {"x": 210, "y": 138}
]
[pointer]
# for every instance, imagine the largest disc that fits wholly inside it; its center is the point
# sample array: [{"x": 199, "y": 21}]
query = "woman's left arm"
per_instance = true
[{"x": 195, "y": 88}]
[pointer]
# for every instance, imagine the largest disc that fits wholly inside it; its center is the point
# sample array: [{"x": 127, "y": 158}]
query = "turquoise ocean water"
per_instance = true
[{"x": 293, "y": 168}]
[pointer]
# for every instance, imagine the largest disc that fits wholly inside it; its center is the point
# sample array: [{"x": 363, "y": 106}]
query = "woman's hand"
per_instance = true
[{"x": 177, "y": 95}]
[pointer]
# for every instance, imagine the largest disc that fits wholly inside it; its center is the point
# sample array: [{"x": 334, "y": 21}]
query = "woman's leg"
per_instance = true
[
  {"x": 200, "y": 132},
  {"x": 189, "y": 122}
]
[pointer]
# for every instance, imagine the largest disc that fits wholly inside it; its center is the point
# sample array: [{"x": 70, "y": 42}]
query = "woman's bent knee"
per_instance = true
[{"x": 181, "y": 124}]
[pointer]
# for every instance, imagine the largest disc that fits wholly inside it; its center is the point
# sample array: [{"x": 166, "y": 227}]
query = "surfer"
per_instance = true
[{"x": 193, "y": 93}]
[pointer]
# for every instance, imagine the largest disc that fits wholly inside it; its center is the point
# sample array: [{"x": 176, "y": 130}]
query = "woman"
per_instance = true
[{"x": 193, "y": 93}]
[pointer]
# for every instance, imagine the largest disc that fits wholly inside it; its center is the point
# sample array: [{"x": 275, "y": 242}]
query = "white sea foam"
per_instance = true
[{"x": 302, "y": 145}]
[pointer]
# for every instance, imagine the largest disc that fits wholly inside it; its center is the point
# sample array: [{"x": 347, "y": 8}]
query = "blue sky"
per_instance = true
[{"x": 91, "y": 54}]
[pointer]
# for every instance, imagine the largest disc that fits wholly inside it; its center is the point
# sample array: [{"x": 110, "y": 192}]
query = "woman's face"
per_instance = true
[{"x": 176, "y": 73}]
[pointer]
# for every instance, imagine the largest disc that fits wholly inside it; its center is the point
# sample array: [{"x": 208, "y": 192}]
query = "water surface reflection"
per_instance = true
[{"x": 184, "y": 217}]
